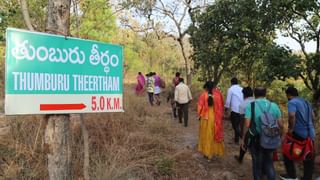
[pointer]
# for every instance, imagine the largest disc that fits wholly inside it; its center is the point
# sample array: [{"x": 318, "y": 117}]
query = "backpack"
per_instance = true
[{"x": 270, "y": 131}]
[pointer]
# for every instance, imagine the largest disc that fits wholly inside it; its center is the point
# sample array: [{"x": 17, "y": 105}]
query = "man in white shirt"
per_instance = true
[
  {"x": 182, "y": 96},
  {"x": 248, "y": 98},
  {"x": 234, "y": 99}
]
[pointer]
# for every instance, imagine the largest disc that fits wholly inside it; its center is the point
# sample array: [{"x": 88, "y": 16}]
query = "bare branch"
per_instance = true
[
  {"x": 305, "y": 18},
  {"x": 305, "y": 81},
  {"x": 138, "y": 29},
  {"x": 298, "y": 39}
]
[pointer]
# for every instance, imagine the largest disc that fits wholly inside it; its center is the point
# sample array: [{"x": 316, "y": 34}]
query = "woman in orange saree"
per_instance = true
[{"x": 210, "y": 111}]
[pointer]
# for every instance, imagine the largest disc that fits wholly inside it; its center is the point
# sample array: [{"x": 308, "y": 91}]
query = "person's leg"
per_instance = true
[
  {"x": 157, "y": 98},
  {"x": 308, "y": 168},
  {"x": 290, "y": 168},
  {"x": 235, "y": 125},
  {"x": 185, "y": 113},
  {"x": 256, "y": 165},
  {"x": 150, "y": 97},
  {"x": 241, "y": 123},
  {"x": 179, "y": 112},
  {"x": 242, "y": 152},
  {"x": 173, "y": 109},
  {"x": 268, "y": 168}
]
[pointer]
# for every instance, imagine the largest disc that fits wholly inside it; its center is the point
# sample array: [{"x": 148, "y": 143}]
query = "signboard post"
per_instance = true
[{"x": 52, "y": 74}]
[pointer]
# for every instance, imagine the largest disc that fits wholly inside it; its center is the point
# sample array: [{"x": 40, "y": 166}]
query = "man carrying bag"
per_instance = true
[
  {"x": 298, "y": 144},
  {"x": 262, "y": 162}
]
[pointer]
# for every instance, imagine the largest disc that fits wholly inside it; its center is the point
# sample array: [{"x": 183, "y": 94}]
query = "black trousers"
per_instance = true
[
  {"x": 308, "y": 165},
  {"x": 242, "y": 152},
  {"x": 235, "y": 121},
  {"x": 183, "y": 111},
  {"x": 150, "y": 97}
]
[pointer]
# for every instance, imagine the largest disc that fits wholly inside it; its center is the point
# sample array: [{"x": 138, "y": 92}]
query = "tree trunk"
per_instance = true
[
  {"x": 25, "y": 13},
  {"x": 85, "y": 134},
  {"x": 86, "y": 162},
  {"x": 57, "y": 132},
  {"x": 58, "y": 147},
  {"x": 186, "y": 64},
  {"x": 58, "y": 21}
]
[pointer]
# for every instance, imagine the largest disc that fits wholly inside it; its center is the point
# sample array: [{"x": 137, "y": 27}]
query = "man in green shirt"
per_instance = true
[{"x": 262, "y": 162}]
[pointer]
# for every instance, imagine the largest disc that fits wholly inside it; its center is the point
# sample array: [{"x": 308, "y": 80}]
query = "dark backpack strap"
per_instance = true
[
  {"x": 307, "y": 122},
  {"x": 252, "y": 122},
  {"x": 267, "y": 109}
]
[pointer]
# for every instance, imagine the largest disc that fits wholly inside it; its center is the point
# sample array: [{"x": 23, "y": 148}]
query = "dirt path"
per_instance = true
[
  {"x": 225, "y": 167},
  {"x": 218, "y": 168}
]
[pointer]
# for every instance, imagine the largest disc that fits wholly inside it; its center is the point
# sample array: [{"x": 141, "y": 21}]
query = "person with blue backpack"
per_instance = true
[{"x": 267, "y": 130}]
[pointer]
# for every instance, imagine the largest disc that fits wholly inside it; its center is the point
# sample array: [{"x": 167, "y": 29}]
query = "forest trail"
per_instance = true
[{"x": 225, "y": 167}]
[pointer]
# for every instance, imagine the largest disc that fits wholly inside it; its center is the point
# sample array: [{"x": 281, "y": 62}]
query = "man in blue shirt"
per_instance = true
[{"x": 301, "y": 118}]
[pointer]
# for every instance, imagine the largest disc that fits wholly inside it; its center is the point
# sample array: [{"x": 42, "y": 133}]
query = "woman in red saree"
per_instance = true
[
  {"x": 210, "y": 111},
  {"x": 141, "y": 81}
]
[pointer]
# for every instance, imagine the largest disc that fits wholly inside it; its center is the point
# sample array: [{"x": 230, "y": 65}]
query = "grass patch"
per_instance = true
[{"x": 165, "y": 166}]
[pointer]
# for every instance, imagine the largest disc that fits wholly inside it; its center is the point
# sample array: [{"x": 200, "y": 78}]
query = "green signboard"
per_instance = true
[{"x": 57, "y": 74}]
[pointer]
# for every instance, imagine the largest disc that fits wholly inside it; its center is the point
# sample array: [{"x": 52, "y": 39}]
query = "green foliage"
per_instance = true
[
  {"x": 10, "y": 15},
  {"x": 230, "y": 37},
  {"x": 95, "y": 21},
  {"x": 300, "y": 20},
  {"x": 143, "y": 7},
  {"x": 147, "y": 53},
  {"x": 165, "y": 165},
  {"x": 38, "y": 13},
  {"x": 279, "y": 63}
]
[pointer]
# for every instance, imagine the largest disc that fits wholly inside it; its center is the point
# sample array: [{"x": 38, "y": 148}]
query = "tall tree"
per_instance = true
[
  {"x": 301, "y": 21},
  {"x": 57, "y": 132},
  {"x": 176, "y": 15},
  {"x": 231, "y": 36}
]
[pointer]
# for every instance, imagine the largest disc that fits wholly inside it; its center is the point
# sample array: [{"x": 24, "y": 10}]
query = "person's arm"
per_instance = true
[
  {"x": 176, "y": 94},
  {"x": 228, "y": 100},
  {"x": 200, "y": 105},
  {"x": 246, "y": 125},
  {"x": 282, "y": 131},
  {"x": 189, "y": 95},
  {"x": 291, "y": 116},
  {"x": 291, "y": 120}
]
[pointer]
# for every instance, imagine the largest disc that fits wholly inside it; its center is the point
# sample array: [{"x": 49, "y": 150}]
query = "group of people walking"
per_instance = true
[
  {"x": 257, "y": 124},
  {"x": 152, "y": 83},
  {"x": 259, "y": 127}
]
